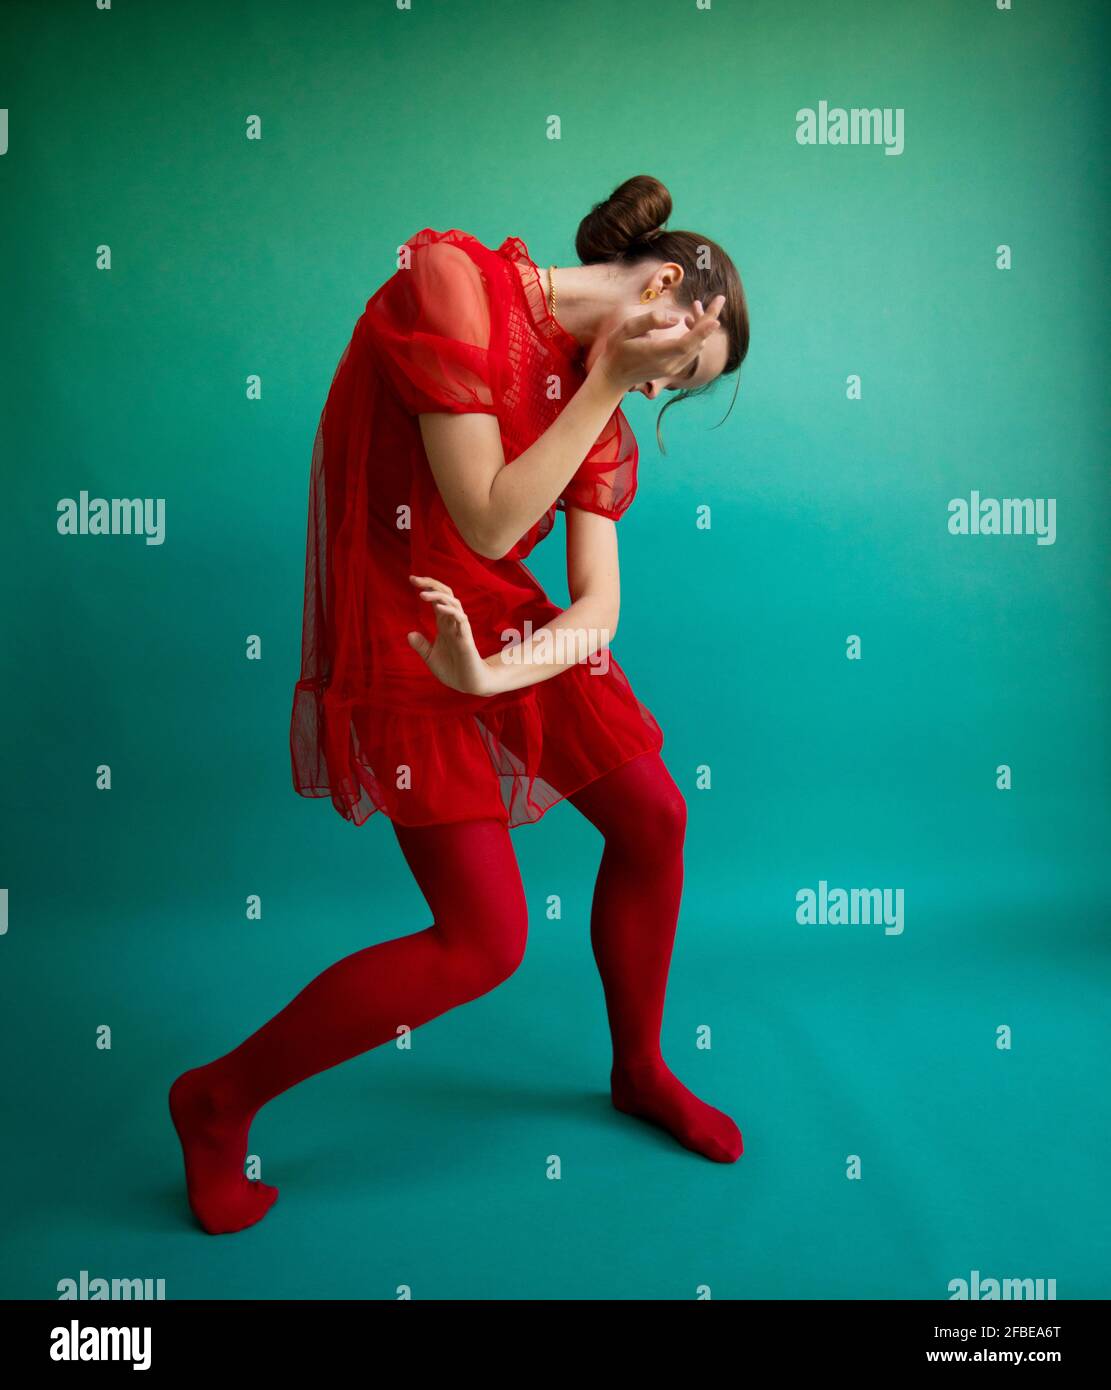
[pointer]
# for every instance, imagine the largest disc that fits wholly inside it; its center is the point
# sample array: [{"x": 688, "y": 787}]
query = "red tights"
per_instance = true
[{"x": 468, "y": 873}]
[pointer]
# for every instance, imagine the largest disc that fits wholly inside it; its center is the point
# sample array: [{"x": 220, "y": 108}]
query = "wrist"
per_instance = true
[
  {"x": 496, "y": 681},
  {"x": 605, "y": 382}
]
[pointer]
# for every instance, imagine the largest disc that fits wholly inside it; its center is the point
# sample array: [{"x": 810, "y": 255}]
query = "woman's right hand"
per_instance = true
[
  {"x": 638, "y": 351},
  {"x": 453, "y": 657}
]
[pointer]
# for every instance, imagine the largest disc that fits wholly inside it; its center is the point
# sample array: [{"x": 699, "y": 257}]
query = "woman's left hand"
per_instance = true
[{"x": 453, "y": 658}]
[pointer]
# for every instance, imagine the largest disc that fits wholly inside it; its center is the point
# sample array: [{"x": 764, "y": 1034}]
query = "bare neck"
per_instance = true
[{"x": 586, "y": 295}]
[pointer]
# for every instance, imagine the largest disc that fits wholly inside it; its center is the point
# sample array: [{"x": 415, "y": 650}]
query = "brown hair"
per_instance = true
[{"x": 627, "y": 227}]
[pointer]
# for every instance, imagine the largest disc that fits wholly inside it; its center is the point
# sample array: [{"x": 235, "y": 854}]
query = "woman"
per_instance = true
[{"x": 478, "y": 395}]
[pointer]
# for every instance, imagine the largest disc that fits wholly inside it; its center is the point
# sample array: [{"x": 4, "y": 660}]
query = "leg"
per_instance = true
[
  {"x": 642, "y": 815},
  {"x": 468, "y": 873}
]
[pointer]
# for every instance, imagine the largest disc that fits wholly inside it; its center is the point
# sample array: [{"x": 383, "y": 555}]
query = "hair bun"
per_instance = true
[{"x": 634, "y": 212}]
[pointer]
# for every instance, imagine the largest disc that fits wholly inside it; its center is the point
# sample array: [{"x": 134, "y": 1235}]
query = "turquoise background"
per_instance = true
[{"x": 126, "y": 908}]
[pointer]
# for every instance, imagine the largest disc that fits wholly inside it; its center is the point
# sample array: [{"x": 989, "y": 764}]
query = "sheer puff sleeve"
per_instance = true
[
  {"x": 431, "y": 327},
  {"x": 606, "y": 481}
]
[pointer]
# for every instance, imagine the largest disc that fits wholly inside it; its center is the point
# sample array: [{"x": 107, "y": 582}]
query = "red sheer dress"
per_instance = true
[{"x": 461, "y": 328}]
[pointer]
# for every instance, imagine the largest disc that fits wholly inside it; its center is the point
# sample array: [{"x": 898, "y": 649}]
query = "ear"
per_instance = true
[{"x": 670, "y": 275}]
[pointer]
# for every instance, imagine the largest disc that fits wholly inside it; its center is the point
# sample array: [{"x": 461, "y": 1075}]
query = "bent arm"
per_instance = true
[
  {"x": 583, "y": 629},
  {"x": 492, "y": 504}
]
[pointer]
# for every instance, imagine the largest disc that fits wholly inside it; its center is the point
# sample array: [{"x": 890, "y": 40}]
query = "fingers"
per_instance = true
[
  {"x": 425, "y": 581},
  {"x": 640, "y": 324},
  {"x": 706, "y": 321},
  {"x": 702, "y": 325},
  {"x": 450, "y": 609},
  {"x": 437, "y": 593},
  {"x": 715, "y": 307},
  {"x": 705, "y": 318},
  {"x": 451, "y": 618}
]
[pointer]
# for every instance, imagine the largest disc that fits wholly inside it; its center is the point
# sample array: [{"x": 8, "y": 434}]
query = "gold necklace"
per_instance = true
[{"x": 551, "y": 290}]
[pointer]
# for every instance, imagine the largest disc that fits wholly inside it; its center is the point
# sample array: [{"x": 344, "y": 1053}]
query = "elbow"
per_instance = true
[
  {"x": 599, "y": 613},
  {"x": 488, "y": 540},
  {"x": 488, "y": 545},
  {"x": 478, "y": 538},
  {"x": 607, "y": 616}
]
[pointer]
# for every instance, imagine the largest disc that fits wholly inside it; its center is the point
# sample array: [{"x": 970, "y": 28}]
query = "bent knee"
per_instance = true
[
  {"x": 502, "y": 958},
  {"x": 667, "y": 821},
  {"x": 657, "y": 823},
  {"x": 491, "y": 949}
]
